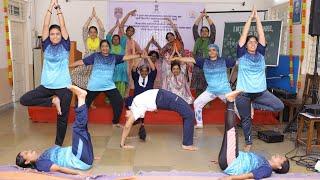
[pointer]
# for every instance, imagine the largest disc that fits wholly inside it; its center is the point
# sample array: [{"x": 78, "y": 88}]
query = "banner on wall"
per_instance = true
[{"x": 149, "y": 19}]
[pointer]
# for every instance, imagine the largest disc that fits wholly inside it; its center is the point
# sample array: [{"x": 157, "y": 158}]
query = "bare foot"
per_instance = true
[
  {"x": 198, "y": 126},
  {"x": 97, "y": 158},
  {"x": 247, "y": 147},
  {"x": 127, "y": 147},
  {"x": 78, "y": 91},
  {"x": 56, "y": 102},
  {"x": 231, "y": 96},
  {"x": 132, "y": 137},
  {"x": 189, "y": 148},
  {"x": 93, "y": 106}
]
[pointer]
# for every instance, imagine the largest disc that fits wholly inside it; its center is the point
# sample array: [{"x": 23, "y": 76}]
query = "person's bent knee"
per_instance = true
[
  {"x": 24, "y": 100},
  {"x": 279, "y": 106}
]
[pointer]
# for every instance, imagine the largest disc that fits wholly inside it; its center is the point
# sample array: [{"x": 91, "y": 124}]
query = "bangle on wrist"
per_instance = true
[
  {"x": 49, "y": 11},
  {"x": 59, "y": 13}
]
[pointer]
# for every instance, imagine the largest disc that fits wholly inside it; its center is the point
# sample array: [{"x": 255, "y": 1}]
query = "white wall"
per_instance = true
[
  {"x": 3, "y": 50},
  {"x": 5, "y": 88},
  {"x": 76, "y": 12}
]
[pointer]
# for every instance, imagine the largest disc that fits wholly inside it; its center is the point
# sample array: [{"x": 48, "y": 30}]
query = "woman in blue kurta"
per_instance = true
[
  {"x": 101, "y": 78},
  {"x": 65, "y": 159},
  {"x": 244, "y": 165},
  {"x": 55, "y": 75}
]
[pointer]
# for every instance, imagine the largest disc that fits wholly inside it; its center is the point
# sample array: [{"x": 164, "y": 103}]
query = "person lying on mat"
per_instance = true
[
  {"x": 154, "y": 99},
  {"x": 65, "y": 159},
  {"x": 244, "y": 165}
]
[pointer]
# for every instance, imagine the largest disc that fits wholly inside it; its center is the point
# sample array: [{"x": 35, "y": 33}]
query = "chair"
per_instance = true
[
  {"x": 311, "y": 123},
  {"x": 293, "y": 104}
]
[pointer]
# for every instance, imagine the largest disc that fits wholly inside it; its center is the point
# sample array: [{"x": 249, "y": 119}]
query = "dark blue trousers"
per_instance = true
[
  {"x": 81, "y": 140},
  {"x": 169, "y": 101},
  {"x": 263, "y": 101}
]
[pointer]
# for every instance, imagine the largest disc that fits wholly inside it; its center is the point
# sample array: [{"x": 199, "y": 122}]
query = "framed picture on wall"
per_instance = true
[{"x": 297, "y": 7}]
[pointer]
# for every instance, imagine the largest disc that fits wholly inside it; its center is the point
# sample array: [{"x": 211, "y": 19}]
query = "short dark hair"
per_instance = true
[
  {"x": 175, "y": 63},
  {"x": 285, "y": 166},
  {"x": 130, "y": 27},
  {"x": 93, "y": 27},
  {"x": 54, "y": 26},
  {"x": 251, "y": 36},
  {"x": 144, "y": 66},
  {"x": 204, "y": 27},
  {"x": 168, "y": 34},
  {"x": 104, "y": 41},
  {"x": 20, "y": 161},
  {"x": 115, "y": 35},
  {"x": 154, "y": 52}
]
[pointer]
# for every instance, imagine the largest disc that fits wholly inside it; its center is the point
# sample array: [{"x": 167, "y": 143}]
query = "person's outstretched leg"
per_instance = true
[
  {"x": 81, "y": 140},
  {"x": 199, "y": 103},
  {"x": 229, "y": 148}
]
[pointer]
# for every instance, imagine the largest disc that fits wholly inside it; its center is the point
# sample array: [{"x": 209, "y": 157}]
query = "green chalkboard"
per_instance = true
[{"x": 272, "y": 30}]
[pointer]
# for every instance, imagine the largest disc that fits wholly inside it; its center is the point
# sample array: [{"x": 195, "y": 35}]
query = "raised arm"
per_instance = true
[
  {"x": 212, "y": 29},
  {"x": 47, "y": 19},
  {"x": 151, "y": 64},
  {"x": 154, "y": 42},
  {"x": 63, "y": 27},
  {"x": 85, "y": 31},
  {"x": 245, "y": 30},
  {"x": 131, "y": 57},
  {"x": 124, "y": 21},
  {"x": 196, "y": 25},
  {"x": 100, "y": 24},
  {"x": 114, "y": 28},
  {"x": 135, "y": 64},
  {"x": 262, "y": 39}
]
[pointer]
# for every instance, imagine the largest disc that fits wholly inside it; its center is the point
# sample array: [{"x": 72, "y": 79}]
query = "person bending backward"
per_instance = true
[
  {"x": 143, "y": 81},
  {"x": 69, "y": 159},
  {"x": 101, "y": 78},
  {"x": 244, "y": 165},
  {"x": 154, "y": 99},
  {"x": 55, "y": 77},
  {"x": 215, "y": 71},
  {"x": 252, "y": 78}
]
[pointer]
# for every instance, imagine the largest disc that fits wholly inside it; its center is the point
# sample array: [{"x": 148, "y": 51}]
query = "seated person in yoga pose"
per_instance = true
[
  {"x": 244, "y": 165},
  {"x": 154, "y": 99},
  {"x": 69, "y": 159}
]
